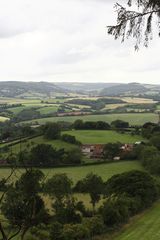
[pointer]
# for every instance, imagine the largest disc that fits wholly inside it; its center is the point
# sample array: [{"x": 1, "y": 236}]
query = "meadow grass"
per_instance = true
[
  {"x": 103, "y": 137},
  {"x": 132, "y": 118},
  {"x": 3, "y": 119},
  {"x": 105, "y": 170},
  {"x": 84, "y": 136},
  {"x": 28, "y": 144},
  {"x": 142, "y": 227},
  {"x": 47, "y": 110}
]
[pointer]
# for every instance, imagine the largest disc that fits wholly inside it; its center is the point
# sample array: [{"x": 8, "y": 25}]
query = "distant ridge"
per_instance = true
[
  {"x": 80, "y": 86},
  {"x": 15, "y": 88},
  {"x": 123, "y": 89}
]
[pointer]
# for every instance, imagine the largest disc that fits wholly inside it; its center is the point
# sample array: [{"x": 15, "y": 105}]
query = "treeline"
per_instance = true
[
  {"x": 96, "y": 104},
  {"x": 6, "y": 106},
  {"x": 45, "y": 155},
  {"x": 99, "y": 125},
  {"x": 10, "y": 131},
  {"x": 24, "y": 209}
]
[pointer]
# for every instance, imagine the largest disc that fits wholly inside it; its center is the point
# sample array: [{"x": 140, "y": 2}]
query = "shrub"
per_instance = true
[
  {"x": 136, "y": 184},
  {"x": 115, "y": 210},
  {"x": 75, "y": 232},
  {"x": 95, "y": 225}
]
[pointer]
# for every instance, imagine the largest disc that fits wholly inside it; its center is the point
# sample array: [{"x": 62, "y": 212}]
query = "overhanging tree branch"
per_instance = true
[{"x": 136, "y": 24}]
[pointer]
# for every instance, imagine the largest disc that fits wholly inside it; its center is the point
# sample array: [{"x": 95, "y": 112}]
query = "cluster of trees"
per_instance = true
[
  {"x": 119, "y": 124},
  {"x": 150, "y": 129},
  {"x": 45, "y": 155},
  {"x": 149, "y": 154},
  {"x": 90, "y": 125},
  {"x": 10, "y": 131},
  {"x": 4, "y": 106},
  {"x": 112, "y": 150},
  {"x": 70, "y": 139},
  {"x": 124, "y": 195},
  {"x": 27, "y": 114},
  {"x": 52, "y": 131},
  {"x": 99, "y": 125}
]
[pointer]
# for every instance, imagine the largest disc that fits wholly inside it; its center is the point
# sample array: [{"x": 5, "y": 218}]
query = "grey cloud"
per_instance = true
[{"x": 63, "y": 40}]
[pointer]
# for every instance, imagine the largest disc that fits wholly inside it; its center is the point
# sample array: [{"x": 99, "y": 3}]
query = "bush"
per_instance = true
[
  {"x": 70, "y": 139},
  {"x": 74, "y": 156},
  {"x": 136, "y": 184},
  {"x": 150, "y": 158},
  {"x": 95, "y": 225},
  {"x": 56, "y": 230},
  {"x": 115, "y": 210},
  {"x": 119, "y": 124},
  {"x": 52, "y": 131},
  {"x": 75, "y": 232}
]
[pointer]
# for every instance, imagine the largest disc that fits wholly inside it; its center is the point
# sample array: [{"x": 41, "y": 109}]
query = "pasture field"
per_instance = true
[
  {"x": 103, "y": 137},
  {"x": 84, "y": 136},
  {"x": 114, "y": 106},
  {"x": 18, "y": 100},
  {"x": 132, "y": 118},
  {"x": 135, "y": 100},
  {"x": 47, "y": 110},
  {"x": 39, "y": 140},
  {"x": 142, "y": 227},
  {"x": 105, "y": 170},
  {"x": 3, "y": 119}
]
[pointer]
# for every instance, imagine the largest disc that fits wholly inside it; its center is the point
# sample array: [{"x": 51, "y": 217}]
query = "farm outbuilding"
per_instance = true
[{"x": 93, "y": 150}]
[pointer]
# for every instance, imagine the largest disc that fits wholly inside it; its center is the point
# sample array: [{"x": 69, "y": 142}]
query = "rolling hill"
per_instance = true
[
  {"x": 123, "y": 89},
  {"x": 13, "y": 89}
]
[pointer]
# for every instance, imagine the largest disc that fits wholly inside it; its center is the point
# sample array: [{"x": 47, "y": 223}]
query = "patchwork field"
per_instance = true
[
  {"x": 103, "y": 137},
  {"x": 135, "y": 100},
  {"x": 39, "y": 140},
  {"x": 132, "y": 118},
  {"x": 105, "y": 170}
]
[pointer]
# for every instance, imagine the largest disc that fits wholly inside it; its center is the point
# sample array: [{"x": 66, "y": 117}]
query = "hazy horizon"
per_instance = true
[
  {"x": 79, "y": 82},
  {"x": 67, "y": 41}
]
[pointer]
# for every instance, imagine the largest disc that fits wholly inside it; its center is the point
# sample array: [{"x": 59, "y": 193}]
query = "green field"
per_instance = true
[
  {"x": 28, "y": 144},
  {"x": 47, "y": 110},
  {"x": 3, "y": 119},
  {"x": 103, "y": 137},
  {"x": 142, "y": 227},
  {"x": 132, "y": 118},
  {"x": 105, "y": 170},
  {"x": 84, "y": 136}
]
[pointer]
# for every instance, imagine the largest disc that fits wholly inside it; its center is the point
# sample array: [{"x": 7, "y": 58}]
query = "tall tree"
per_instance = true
[
  {"x": 92, "y": 184},
  {"x": 22, "y": 206}
]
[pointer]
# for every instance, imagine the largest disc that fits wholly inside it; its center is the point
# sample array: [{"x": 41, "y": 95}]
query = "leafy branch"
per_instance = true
[{"x": 136, "y": 24}]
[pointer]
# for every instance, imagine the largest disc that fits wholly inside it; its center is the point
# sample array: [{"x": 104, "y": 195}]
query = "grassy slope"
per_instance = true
[
  {"x": 76, "y": 173},
  {"x": 38, "y": 140},
  {"x": 100, "y": 136},
  {"x": 3, "y": 119},
  {"x": 143, "y": 227},
  {"x": 132, "y": 118},
  {"x": 47, "y": 110}
]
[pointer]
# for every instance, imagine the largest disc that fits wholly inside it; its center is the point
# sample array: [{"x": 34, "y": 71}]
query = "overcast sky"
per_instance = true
[{"x": 66, "y": 40}]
